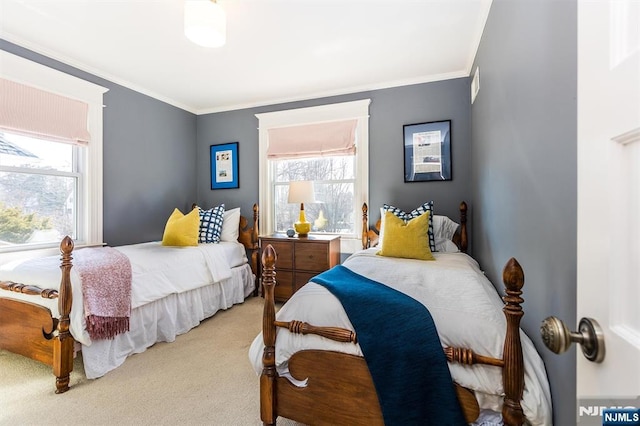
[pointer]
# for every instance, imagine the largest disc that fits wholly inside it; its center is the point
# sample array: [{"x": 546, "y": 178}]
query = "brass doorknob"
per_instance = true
[{"x": 558, "y": 338}]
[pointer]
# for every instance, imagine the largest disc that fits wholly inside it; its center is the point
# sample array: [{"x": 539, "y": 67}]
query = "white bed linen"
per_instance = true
[
  {"x": 465, "y": 306},
  {"x": 164, "y": 319},
  {"x": 157, "y": 271}
]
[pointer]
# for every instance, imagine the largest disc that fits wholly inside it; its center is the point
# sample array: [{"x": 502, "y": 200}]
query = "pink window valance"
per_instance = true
[
  {"x": 313, "y": 140},
  {"x": 37, "y": 113}
]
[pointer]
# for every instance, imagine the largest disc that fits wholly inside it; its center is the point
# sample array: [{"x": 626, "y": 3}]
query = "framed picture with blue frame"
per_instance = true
[
  {"x": 427, "y": 151},
  {"x": 224, "y": 166}
]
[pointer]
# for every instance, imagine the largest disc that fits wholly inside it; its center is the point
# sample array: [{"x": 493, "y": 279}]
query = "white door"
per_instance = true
[{"x": 608, "y": 270}]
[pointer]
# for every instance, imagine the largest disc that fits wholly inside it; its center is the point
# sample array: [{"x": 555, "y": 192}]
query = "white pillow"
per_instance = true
[
  {"x": 231, "y": 225},
  {"x": 444, "y": 229},
  {"x": 380, "y": 233}
]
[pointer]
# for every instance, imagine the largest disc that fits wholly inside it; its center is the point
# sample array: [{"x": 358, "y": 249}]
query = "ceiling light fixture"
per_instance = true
[{"x": 205, "y": 23}]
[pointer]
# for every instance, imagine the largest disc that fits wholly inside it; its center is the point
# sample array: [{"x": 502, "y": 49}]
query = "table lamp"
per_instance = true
[{"x": 302, "y": 192}]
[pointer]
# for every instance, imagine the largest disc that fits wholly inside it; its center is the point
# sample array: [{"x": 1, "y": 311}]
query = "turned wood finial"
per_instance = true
[
  {"x": 269, "y": 258},
  {"x": 513, "y": 276},
  {"x": 66, "y": 246}
]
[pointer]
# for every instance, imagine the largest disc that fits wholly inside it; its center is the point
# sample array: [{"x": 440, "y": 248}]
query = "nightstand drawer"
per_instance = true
[
  {"x": 284, "y": 250},
  {"x": 312, "y": 257},
  {"x": 284, "y": 285}
]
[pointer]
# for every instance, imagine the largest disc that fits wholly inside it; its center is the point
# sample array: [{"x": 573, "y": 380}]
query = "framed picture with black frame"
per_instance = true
[
  {"x": 224, "y": 166},
  {"x": 427, "y": 151}
]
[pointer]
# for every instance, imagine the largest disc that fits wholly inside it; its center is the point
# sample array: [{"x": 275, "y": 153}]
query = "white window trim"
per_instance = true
[
  {"x": 31, "y": 73},
  {"x": 301, "y": 116}
]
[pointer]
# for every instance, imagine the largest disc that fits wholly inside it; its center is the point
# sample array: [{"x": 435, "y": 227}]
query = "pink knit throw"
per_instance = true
[{"x": 106, "y": 290}]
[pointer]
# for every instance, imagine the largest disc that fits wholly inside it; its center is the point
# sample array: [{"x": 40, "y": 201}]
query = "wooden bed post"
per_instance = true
[
  {"x": 365, "y": 227},
  {"x": 255, "y": 243},
  {"x": 248, "y": 237},
  {"x": 513, "y": 370},
  {"x": 63, "y": 341},
  {"x": 268, "y": 377},
  {"x": 463, "y": 227}
]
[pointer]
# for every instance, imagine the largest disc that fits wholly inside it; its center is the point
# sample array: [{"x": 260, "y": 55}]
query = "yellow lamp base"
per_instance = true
[{"x": 302, "y": 227}]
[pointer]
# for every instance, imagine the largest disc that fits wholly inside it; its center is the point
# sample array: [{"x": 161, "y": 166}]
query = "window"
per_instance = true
[
  {"x": 50, "y": 185},
  {"x": 341, "y": 181}
]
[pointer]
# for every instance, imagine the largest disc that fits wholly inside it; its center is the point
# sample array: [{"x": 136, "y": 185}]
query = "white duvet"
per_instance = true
[
  {"x": 157, "y": 271},
  {"x": 466, "y": 309}
]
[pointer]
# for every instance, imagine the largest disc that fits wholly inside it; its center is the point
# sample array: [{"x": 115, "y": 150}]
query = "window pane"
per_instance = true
[
  {"x": 317, "y": 169},
  {"x": 22, "y": 151},
  {"x": 36, "y": 208},
  {"x": 334, "y": 179}
]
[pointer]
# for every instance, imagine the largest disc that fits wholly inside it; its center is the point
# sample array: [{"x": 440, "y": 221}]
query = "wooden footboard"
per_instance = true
[{"x": 30, "y": 330}]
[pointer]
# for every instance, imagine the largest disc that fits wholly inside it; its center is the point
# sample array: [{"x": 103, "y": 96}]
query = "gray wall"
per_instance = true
[
  {"x": 524, "y": 166},
  {"x": 149, "y": 155},
  {"x": 390, "y": 109}
]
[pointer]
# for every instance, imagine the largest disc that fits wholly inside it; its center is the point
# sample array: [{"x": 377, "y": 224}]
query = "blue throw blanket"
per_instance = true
[{"x": 400, "y": 344}]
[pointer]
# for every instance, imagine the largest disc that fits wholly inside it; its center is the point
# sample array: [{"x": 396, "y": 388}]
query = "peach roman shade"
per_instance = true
[
  {"x": 313, "y": 140},
  {"x": 38, "y": 113}
]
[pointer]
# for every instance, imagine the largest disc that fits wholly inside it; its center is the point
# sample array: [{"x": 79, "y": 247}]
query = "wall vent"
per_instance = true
[{"x": 475, "y": 84}]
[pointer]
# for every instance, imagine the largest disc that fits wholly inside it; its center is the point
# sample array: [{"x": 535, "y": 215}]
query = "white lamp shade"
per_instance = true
[
  {"x": 205, "y": 23},
  {"x": 302, "y": 192}
]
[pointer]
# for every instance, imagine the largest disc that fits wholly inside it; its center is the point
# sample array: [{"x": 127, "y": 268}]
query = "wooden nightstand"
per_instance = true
[{"x": 299, "y": 259}]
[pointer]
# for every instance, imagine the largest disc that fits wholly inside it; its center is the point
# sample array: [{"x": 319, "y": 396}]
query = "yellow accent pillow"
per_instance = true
[
  {"x": 408, "y": 240},
  {"x": 181, "y": 229}
]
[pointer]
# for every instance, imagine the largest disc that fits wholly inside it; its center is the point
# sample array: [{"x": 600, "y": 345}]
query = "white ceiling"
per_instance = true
[{"x": 276, "y": 50}]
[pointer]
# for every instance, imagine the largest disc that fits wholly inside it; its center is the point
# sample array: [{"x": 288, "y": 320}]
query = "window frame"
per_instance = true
[
  {"x": 358, "y": 110},
  {"x": 90, "y": 160}
]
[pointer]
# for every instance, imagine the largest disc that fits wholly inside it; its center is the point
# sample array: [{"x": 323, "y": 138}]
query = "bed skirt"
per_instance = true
[{"x": 164, "y": 319}]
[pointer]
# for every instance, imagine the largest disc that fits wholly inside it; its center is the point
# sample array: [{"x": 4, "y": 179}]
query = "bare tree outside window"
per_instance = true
[
  {"x": 334, "y": 179},
  {"x": 38, "y": 190}
]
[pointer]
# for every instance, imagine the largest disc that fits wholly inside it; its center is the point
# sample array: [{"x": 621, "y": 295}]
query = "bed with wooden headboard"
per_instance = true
[
  {"x": 312, "y": 369},
  {"x": 37, "y": 315}
]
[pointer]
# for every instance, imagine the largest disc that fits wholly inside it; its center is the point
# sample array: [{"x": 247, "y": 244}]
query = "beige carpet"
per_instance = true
[{"x": 203, "y": 378}]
